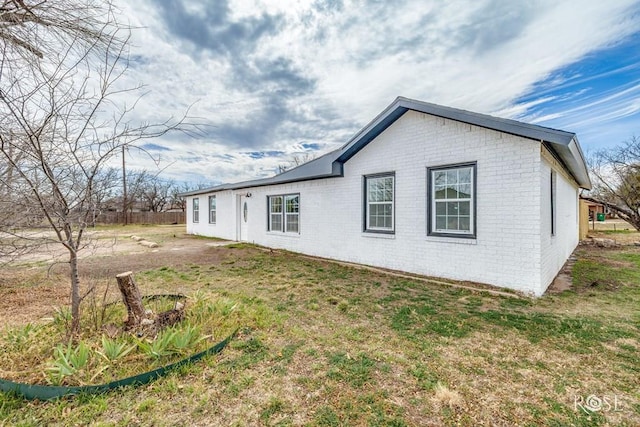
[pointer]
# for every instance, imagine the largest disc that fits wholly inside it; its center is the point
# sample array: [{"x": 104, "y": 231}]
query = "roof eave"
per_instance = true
[
  {"x": 564, "y": 143},
  {"x": 573, "y": 159}
]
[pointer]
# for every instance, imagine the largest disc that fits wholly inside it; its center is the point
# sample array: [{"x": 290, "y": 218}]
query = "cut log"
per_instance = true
[{"x": 132, "y": 299}]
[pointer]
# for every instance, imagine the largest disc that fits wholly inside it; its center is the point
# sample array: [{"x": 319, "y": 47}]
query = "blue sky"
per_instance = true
[
  {"x": 274, "y": 79},
  {"x": 597, "y": 97}
]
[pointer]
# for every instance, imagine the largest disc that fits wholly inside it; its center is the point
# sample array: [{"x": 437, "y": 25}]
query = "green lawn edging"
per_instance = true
[{"x": 44, "y": 392}]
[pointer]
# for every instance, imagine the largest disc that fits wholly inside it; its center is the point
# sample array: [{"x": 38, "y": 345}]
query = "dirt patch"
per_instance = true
[
  {"x": 622, "y": 238},
  {"x": 20, "y": 306},
  {"x": 37, "y": 284}
]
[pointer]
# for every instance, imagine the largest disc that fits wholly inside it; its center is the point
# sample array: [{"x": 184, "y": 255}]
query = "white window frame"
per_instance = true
[
  {"x": 276, "y": 214},
  {"x": 195, "y": 203},
  {"x": 213, "y": 214},
  {"x": 432, "y": 202},
  {"x": 369, "y": 180},
  {"x": 285, "y": 215},
  {"x": 289, "y": 215}
]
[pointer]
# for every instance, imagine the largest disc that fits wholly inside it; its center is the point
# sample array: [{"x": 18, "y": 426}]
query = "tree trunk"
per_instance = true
[
  {"x": 75, "y": 293},
  {"x": 132, "y": 299}
]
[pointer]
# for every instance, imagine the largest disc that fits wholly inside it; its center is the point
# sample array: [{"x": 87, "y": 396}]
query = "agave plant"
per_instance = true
[
  {"x": 68, "y": 361},
  {"x": 186, "y": 338},
  {"x": 113, "y": 350},
  {"x": 161, "y": 346}
]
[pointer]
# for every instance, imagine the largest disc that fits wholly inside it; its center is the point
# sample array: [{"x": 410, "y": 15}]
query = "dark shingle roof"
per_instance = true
[{"x": 563, "y": 144}]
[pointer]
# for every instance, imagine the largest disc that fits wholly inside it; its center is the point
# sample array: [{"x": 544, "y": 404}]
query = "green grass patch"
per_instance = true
[
  {"x": 355, "y": 371},
  {"x": 323, "y": 344}
]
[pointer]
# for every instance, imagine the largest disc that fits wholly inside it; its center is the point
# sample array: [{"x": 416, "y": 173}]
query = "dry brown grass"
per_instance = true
[{"x": 325, "y": 344}]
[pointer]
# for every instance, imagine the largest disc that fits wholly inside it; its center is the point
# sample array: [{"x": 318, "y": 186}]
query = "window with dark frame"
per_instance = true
[
  {"x": 379, "y": 209},
  {"x": 196, "y": 209},
  {"x": 284, "y": 213},
  {"x": 451, "y": 200},
  {"x": 212, "y": 209},
  {"x": 553, "y": 179}
]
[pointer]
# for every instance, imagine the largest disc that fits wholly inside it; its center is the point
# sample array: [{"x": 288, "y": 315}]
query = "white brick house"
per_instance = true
[{"x": 424, "y": 189}]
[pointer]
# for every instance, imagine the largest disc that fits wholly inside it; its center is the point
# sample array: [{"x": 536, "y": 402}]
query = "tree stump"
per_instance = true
[{"x": 132, "y": 299}]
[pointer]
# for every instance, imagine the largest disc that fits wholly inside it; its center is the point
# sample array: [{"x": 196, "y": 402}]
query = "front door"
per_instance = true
[{"x": 243, "y": 216}]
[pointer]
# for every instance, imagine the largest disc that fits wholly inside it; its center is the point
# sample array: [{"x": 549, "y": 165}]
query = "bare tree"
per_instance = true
[
  {"x": 296, "y": 160},
  {"x": 61, "y": 118},
  {"x": 148, "y": 190},
  {"x": 156, "y": 194},
  {"x": 178, "y": 202},
  {"x": 616, "y": 180}
]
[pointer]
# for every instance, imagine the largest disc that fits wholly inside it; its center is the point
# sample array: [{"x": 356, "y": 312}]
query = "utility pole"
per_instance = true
[{"x": 124, "y": 190}]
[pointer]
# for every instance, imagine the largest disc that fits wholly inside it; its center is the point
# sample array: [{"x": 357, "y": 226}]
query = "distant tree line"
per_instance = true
[{"x": 147, "y": 192}]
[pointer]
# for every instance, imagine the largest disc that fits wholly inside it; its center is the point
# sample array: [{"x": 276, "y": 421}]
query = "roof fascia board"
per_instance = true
[
  {"x": 337, "y": 171},
  {"x": 561, "y": 142}
]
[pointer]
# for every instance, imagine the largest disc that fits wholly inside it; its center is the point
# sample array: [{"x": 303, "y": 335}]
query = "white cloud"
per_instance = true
[{"x": 325, "y": 68}]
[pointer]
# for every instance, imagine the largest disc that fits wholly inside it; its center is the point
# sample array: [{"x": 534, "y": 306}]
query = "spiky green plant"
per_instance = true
[
  {"x": 186, "y": 338},
  {"x": 113, "y": 350},
  {"x": 68, "y": 361},
  {"x": 18, "y": 338},
  {"x": 159, "y": 347}
]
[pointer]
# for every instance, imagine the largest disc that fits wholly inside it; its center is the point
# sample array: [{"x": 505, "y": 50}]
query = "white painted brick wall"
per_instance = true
[
  {"x": 508, "y": 250},
  {"x": 225, "y": 226},
  {"x": 557, "y": 248}
]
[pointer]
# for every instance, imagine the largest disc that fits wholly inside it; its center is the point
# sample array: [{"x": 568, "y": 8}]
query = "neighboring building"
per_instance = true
[
  {"x": 424, "y": 189},
  {"x": 590, "y": 212}
]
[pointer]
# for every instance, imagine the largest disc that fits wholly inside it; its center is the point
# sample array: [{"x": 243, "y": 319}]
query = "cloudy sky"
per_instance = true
[{"x": 276, "y": 78}]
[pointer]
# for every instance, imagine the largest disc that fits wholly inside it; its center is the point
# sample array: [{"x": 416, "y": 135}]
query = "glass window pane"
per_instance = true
[
  {"x": 465, "y": 208},
  {"x": 452, "y": 208},
  {"x": 276, "y": 204},
  {"x": 455, "y": 185},
  {"x": 276, "y": 222},
  {"x": 452, "y": 176},
  {"x": 465, "y": 223},
  {"x": 380, "y": 202},
  {"x": 452, "y": 223},
  {"x": 465, "y": 191},
  {"x": 464, "y": 176},
  {"x": 373, "y": 220},
  {"x": 452, "y": 192},
  {"x": 292, "y": 223},
  {"x": 291, "y": 203},
  {"x": 371, "y": 191},
  {"x": 196, "y": 210},
  {"x": 380, "y": 189},
  {"x": 373, "y": 215}
]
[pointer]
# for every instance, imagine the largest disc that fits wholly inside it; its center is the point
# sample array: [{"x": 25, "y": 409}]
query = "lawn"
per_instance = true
[{"x": 325, "y": 344}]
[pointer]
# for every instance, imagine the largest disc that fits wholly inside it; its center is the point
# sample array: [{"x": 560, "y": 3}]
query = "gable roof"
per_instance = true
[{"x": 563, "y": 145}]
